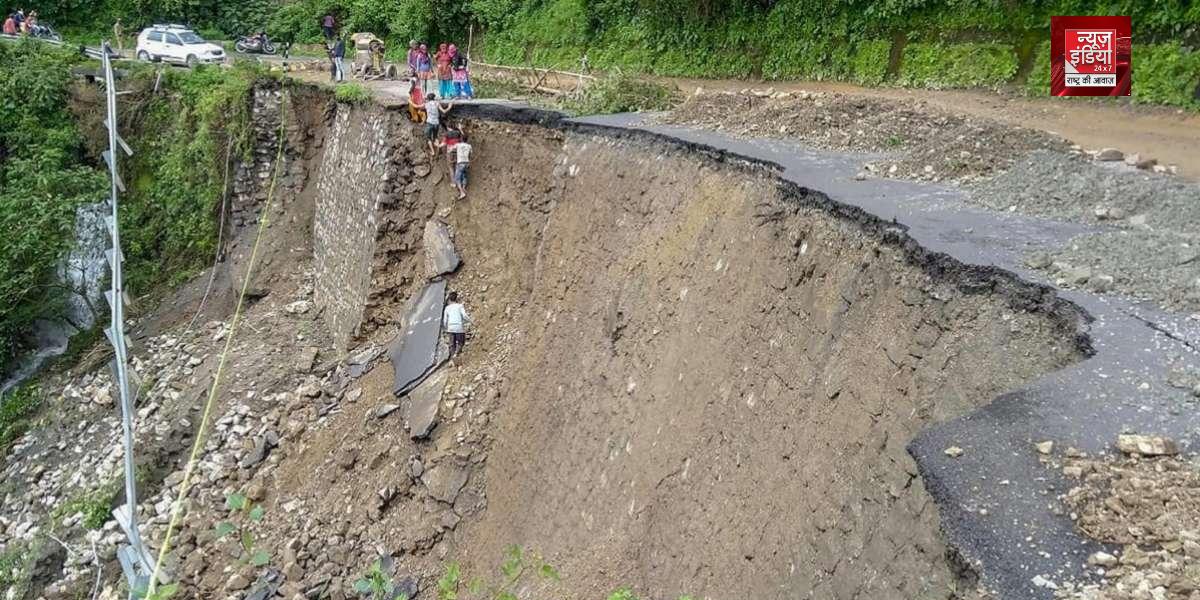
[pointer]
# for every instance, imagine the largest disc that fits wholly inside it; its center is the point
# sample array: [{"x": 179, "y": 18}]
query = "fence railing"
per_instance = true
[{"x": 547, "y": 81}]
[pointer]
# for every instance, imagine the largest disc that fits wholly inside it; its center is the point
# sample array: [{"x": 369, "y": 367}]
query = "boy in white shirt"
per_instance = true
[
  {"x": 455, "y": 321},
  {"x": 462, "y": 153}
]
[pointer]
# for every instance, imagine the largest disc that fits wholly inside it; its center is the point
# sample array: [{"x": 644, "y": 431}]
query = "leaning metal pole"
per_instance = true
[{"x": 133, "y": 557}]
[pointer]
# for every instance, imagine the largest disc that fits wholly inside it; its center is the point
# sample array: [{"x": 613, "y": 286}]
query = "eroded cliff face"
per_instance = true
[
  {"x": 708, "y": 378},
  {"x": 684, "y": 377},
  {"x": 716, "y": 376}
]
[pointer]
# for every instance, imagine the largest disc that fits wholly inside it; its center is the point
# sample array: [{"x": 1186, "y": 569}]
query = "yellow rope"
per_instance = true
[{"x": 212, "y": 393}]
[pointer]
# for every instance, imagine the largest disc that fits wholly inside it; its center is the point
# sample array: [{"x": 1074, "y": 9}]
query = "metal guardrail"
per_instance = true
[{"x": 135, "y": 561}]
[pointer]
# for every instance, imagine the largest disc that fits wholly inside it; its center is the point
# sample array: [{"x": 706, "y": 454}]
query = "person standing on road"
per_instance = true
[
  {"x": 337, "y": 53},
  {"x": 119, "y": 36},
  {"x": 377, "y": 49},
  {"x": 445, "y": 77},
  {"x": 414, "y": 51},
  {"x": 425, "y": 69},
  {"x": 462, "y": 82},
  {"x": 327, "y": 26},
  {"x": 455, "y": 320}
]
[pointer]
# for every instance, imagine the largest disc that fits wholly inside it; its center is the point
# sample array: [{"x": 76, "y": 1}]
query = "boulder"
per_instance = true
[
  {"x": 445, "y": 480},
  {"x": 305, "y": 359},
  {"x": 383, "y": 410},
  {"x": 440, "y": 256},
  {"x": 1110, "y": 155},
  {"x": 298, "y": 307},
  {"x": 423, "y": 403},
  {"x": 1147, "y": 445}
]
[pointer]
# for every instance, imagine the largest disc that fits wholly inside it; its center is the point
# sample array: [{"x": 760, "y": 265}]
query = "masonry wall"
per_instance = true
[{"x": 352, "y": 180}]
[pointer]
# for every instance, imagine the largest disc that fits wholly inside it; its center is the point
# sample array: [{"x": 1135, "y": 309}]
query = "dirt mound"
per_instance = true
[{"x": 926, "y": 143}]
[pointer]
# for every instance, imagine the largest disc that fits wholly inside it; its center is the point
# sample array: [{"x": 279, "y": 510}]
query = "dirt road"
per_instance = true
[{"x": 1170, "y": 135}]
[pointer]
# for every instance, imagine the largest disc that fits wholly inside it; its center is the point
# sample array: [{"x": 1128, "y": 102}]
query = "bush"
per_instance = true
[
  {"x": 1166, "y": 74},
  {"x": 869, "y": 63},
  {"x": 1038, "y": 82},
  {"x": 352, "y": 93},
  {"x": 95, "y": 505},
  {"x": 621, "y": 92},
  {"x": 807, "y": 58},
  {"x": 940, "y": 66}
]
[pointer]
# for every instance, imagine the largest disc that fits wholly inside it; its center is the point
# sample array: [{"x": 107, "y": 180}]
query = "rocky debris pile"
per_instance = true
[
  {"x": 1162, "y": 266},
  {"x": 74, "y": 464},
  {"x": 1065, "y": 186},
  {"x": 926, "y": 143},
  {"x": 64, "y": 476},
  {"x": 1133, "y": 160},
  {"x": 1071, "y": 276},
  {"x": 1146, "y": 503},
  {"x": 1148, "y": 240}
]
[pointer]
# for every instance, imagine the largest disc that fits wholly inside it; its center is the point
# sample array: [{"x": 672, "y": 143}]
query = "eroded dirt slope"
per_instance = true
[
  {"x": 684, "y": 377},
  {"x": 715, "y": 383}
]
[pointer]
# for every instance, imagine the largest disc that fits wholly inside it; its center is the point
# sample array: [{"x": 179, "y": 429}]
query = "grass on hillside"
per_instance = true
[{"x": 17, "y": 408}]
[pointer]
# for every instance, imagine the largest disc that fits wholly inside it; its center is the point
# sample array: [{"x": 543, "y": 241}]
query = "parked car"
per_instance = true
[{"x": 176, "y": 44}]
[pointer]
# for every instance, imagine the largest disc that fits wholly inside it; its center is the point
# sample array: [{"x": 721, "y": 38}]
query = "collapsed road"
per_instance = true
[
  {"x": 996, "y": 499},
  {"x": 702, "y": 365}
]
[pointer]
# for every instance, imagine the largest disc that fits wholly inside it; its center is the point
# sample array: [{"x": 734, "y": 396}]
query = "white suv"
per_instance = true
[{"x": 177, "y": 44}]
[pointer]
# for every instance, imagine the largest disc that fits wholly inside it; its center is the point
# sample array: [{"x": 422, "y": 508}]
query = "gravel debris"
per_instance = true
[
  {"x": 929, "y": 144},
  {"x": 1149, "y": 509}
]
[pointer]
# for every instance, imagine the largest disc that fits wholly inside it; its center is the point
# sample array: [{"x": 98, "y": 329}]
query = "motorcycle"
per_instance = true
[
  {"x": 45, "y": 32},
  {"x": 254, "y": 45}
]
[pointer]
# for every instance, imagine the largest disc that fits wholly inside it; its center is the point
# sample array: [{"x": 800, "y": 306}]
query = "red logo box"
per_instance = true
[{"x": 1090, "y": 56}]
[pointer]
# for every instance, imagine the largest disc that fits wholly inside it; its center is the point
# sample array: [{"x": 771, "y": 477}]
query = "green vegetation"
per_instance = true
[
  {"x": 15, "y": 566},
  {"x": 246, "y": 514},
  {"x": 627, "y": 594},
  {"x": 43, "y": 179},
  {"x": 181, "y": 141},
  {"x": 352, "y": 93},
  {"x": 16, "y": 409},
  {"x": 621, "y": 92},
  {"x": 96, "y": 506},
  {"x": 958, "y": 65},
  {"x": 1166, "y": 74},
  {"x": 1038, "y": 81},
  {"x": 920, "y": 43},
  {"x": 181, "y": 136},
  {"x": 377, "y": 583},
  {"x": 517, "y": 570}
]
